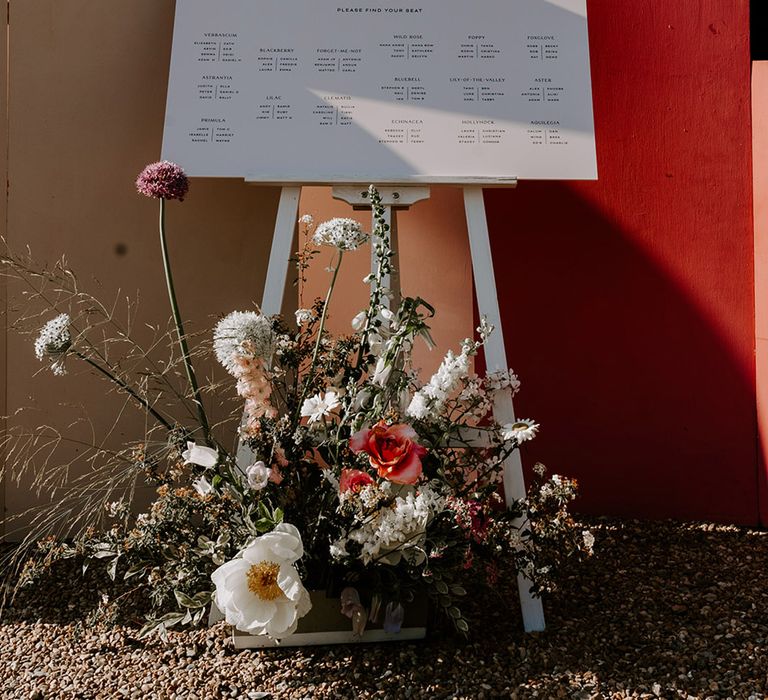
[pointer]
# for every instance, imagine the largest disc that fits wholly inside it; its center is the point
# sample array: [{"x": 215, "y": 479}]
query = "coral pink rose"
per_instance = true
[
  {"x": 392, "y": 450},
  {"x": 353, "y": 480}
]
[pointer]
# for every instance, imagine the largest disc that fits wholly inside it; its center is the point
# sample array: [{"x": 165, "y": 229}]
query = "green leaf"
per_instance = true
[
  {"x": 104, "y": 553},
  {"x": 462, "y": 625},
  {"x": 112, "y": 568},
  {"x": 134, "y": 571},
  {"x": 264, "y": 524},
  {"x": 199, "y": 600},
  {"x": 278, "y": 517},
  {"x": 441, "y": 587}
]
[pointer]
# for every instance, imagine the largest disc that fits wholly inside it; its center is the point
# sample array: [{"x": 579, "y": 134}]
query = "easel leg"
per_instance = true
[
  {"x": 279, "y": 256},
  {"x": 496, "y": 358}
]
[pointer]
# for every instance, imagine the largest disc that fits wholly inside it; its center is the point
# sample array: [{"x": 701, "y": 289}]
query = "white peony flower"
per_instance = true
[
  {"x": 521, "y": 430},
  {"x": 238, "y": 331},
  {"x": 261, "y": 592},
  {"x": 258, "y": 475},
  {"x": 202, "y": 456},
  {"x": 202, "y": 486},
  {"x": 319, "y": 406},
  {"x": 344, "y": 234},
  {"x": 53, "y": 342}
]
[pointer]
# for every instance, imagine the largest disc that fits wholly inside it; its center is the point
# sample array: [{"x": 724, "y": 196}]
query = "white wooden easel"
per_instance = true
[{"x": 394, "y": 198}]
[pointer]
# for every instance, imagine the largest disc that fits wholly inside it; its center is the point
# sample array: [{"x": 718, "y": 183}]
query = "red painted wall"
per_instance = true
[{"x": 629, "y": 302}]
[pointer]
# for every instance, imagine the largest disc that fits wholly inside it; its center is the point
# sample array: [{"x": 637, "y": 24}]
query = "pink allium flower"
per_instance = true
[{"x": 163, "y": 180}]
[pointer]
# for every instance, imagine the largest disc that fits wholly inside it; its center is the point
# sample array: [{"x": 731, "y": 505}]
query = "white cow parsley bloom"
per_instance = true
[
  {"x": 319, "y": 406},
  {"x": 238, "y": 331},
  {"x": 589, "y": 540},
  {"x": 261, "y": 592},
  {"x": 344, "y": 234},
  {"x": 306, "y": 219},
  {"x": 521, "y": 430},
  {"x": 53, "y": 342}
]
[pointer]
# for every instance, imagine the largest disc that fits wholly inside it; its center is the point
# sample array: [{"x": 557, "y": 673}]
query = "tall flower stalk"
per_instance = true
[{"x": 165, "y": 180}]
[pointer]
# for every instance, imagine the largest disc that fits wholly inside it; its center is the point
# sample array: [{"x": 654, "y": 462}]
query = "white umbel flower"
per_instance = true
[
  {"x": 521, "y": 430},
  {"x": 261, "y": 592},
  {"x": 53, "y": 342},
  {"x": 240, "y": 333},
  {"x": 319, "y": 406},
  {"x": 344, "y": 234}
]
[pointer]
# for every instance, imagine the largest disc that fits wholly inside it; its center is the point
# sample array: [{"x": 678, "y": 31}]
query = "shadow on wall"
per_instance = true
[{"x": 641, "y": 396}]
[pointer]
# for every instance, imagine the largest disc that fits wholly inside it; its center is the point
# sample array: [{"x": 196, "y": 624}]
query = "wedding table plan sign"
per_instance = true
[
  {"x": 399, "y": 94},
  {"x": 356, "y": 92}
]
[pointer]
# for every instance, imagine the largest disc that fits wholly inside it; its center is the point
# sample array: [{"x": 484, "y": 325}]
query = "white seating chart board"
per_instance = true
[{"x": 359, "y": 91}]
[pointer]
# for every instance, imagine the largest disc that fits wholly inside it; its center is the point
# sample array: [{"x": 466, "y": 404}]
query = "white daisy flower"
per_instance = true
[
  {"x": 261, "y": 592},
  {"x": 202, "y": 456},
  {"x": 319, "y": 406},
  {"x": 344, "y": 234},
  {"x": 521, "y": 430},
  {"x": 53, "y": 342},
  {"x": 238, "y": 331},
  {"x": 258, "y": 475}
]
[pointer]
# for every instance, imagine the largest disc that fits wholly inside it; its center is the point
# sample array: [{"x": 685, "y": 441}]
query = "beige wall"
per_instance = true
[{"x": 87, "y": 93}]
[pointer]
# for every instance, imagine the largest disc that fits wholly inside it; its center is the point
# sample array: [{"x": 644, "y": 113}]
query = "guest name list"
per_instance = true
[{"x": 311, "y": 91}]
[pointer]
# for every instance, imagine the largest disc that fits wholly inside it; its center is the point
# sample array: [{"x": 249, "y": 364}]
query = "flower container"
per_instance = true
[{"x": 324, "y": 624}]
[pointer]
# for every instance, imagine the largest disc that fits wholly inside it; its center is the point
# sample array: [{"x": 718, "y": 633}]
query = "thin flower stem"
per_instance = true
[
  {"x": 320, "y": 330},
  {"x": 127, "y": 389},
  {"x": 180, "y": 330}
]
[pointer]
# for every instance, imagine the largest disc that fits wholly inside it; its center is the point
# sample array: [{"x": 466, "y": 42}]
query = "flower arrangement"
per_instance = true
[{"x": 353, "y": 476}]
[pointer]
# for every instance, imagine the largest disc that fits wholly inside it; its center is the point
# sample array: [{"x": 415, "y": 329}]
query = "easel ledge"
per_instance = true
[{"x": 396, "y": 197}]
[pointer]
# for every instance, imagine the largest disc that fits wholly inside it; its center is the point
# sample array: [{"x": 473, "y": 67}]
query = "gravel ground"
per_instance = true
[{"x": 663, "y": 610}]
